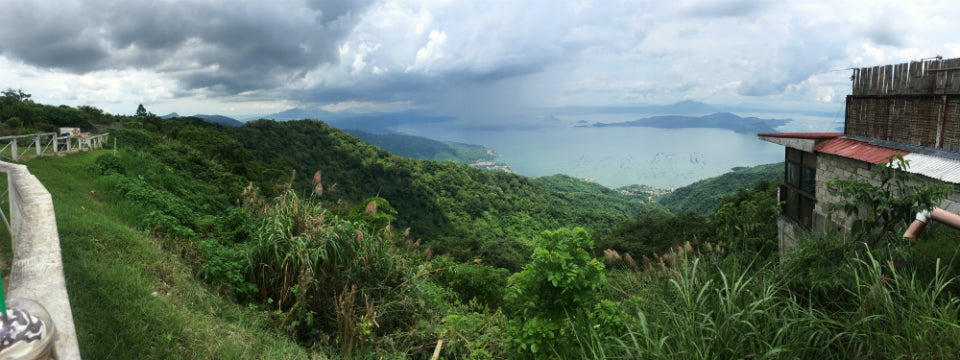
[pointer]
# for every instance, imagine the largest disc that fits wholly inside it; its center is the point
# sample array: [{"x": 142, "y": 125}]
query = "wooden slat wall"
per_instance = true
[
  {"x": 951, "y": 128},
  {"x": 915, "y": 77},
  {"x": 885, "y": 103}
]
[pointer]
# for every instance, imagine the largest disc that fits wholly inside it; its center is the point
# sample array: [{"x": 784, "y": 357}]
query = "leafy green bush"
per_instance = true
[
  {"x": 561, "y": 281},
  {"x": 107, "y": 164},
  {"x": 470, "y": 281},
  {"x": 224, "y": 265}
]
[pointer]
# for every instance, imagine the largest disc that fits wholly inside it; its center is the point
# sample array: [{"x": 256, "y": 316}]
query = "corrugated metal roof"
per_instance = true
[
  {"x": 936, "y": 167},
  {"x": 932, "y": 163},
  {"x": 859, "y": 150},
  {"x": 942, "y": 153},
  {"x": 808, "y": 135}
]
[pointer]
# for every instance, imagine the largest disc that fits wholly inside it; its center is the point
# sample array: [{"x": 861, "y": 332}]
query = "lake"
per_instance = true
[{"x": 617, "y": 156}]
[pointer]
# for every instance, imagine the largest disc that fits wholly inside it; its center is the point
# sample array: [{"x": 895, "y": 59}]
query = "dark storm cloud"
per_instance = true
[
  {"x": 387, "y": 88},
  {"x": 48, "y": 38},
  {"x": 228, "y": 47},
  {"x": 502, "y": 71},
  {"x": 335, "y": 9}
]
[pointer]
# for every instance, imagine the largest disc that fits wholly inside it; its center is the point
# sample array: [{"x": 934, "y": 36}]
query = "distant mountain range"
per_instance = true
[
  {"x": 217, "y": 119},
  {"x": 299, "y": 114},
  {"x": 683, "y": 114},
  {"x": 747, "y": 125},
  {"x": 686, "y": 107},
  {"x": 374, "y": 122}
]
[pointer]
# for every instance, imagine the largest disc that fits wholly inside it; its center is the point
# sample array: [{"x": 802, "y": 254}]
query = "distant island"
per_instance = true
[{"x": 721, "y": 120}]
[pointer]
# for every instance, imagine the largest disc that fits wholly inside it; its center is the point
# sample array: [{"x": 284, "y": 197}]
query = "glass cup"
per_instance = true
[{"x": 27, "y": 332}]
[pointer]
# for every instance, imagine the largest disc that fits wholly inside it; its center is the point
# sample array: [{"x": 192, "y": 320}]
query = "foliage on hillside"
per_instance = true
[
  {"x": 418, "y": 147},
  {"x": 20, "y": 115},
  {"x": 469, "y": 213},
  {"x": 702, "y": 197},
  {"x": 130, "y": 226},
  {"x": 745, "y": 220},
  {"x": 297, "y": 267}
]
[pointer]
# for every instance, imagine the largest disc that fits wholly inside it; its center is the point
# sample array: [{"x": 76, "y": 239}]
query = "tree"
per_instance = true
[
  {"x": 17, "y": 95},
  {"x": 747, "y": 220},
  {"x": 95, "y": 115},
  {"x": 141, "y": 111}
]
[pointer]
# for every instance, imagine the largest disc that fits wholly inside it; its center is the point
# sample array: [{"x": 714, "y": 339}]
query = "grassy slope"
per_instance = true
[{"x": 112, "y": 270}]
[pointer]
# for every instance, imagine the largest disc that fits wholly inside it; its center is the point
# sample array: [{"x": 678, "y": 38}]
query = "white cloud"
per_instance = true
[{"x": 431, "y": 53}]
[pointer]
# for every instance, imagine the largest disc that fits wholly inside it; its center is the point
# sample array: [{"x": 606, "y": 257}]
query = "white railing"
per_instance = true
[
  {"x": 40, "y": 143},
  {"x": 37, "y": 269}
]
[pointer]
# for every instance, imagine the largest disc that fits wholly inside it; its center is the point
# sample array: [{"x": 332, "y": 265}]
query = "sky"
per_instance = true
[{"x": 472, "y": 60}]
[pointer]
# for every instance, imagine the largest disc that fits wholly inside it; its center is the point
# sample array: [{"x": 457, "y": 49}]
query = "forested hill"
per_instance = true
[
  {"x": 467, "y": 212},
  {"x": 418, "y": 147},
  {"x": 702, "y": 197},
  {"x": 723, "y": 120}
]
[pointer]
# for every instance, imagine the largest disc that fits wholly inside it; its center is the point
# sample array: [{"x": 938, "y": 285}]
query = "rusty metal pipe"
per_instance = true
[{"x": 939, "y": 215}]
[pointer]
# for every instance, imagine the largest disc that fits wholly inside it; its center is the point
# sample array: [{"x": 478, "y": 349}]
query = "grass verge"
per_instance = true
[{"x": 132, "y": 296}]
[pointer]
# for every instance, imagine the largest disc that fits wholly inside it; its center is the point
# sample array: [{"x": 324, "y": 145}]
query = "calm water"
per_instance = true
[{"x": 617, "y": 156}]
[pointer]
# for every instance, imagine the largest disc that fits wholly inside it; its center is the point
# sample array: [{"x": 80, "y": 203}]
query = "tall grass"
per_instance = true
[{"x": 714, "y": 308}]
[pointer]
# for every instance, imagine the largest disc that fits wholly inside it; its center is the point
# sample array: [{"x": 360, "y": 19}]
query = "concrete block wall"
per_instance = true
[
  {"x": 787, "y": 233},
  {"x": 831, "y": 167},
  {"x": 37, "y": 269}
]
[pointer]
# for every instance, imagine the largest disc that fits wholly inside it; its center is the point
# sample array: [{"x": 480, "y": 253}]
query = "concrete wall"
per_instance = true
[
  {"x": 796, "y": 143},
  {"x": 831, "y": 167},
  {"x": 37, "y": 269}
]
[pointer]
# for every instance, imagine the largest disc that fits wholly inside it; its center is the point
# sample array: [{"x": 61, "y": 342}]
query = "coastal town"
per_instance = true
[{"x": 492, "y": 166}]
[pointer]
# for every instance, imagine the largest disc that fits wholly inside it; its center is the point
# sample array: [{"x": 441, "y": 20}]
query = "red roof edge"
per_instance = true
[
  {"x": 855, "y": 149},
  {"x": 803, "y": 135},
  {"x": 808, "y": 135}
]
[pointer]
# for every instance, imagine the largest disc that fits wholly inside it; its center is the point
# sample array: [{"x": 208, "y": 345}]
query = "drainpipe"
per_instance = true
[{"x": 939, "y": 215}]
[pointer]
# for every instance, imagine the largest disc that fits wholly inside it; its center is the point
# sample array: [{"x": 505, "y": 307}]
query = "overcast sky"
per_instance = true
[{"x": 471, "y": 59}]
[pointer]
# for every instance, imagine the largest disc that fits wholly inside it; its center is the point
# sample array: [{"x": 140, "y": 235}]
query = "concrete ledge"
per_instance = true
[{"x": 37, "y": 269}]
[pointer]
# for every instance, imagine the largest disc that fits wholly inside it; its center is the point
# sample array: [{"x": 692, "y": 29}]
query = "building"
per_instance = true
[{"x": 912, "y": 109}]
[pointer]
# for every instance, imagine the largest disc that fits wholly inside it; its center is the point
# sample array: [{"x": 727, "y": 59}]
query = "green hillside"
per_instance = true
[
  {"x": 454, "y": 208},
  {"x": 296, "y": 240},
  {"x": 418, "y": 147},
  {"x": 702, "y": 197},
  {"x": 131, "y": 273}
]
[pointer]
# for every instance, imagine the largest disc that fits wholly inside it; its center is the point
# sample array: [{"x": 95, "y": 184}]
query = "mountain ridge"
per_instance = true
[{"x": 719, "y": 120}]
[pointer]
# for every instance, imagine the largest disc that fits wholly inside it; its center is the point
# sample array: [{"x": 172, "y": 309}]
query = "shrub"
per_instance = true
[
  {"x": 107, "y": 164},
  {"x": 561, "y": 281}
]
